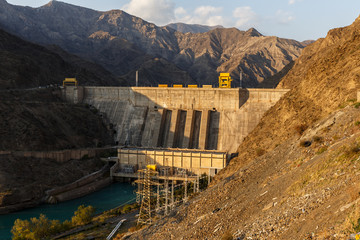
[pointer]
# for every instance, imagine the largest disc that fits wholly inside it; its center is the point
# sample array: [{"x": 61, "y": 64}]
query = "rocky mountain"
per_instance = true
[
  {"x": 192, "y": 28},
  {"x": 27, "y": 65},
  {"x": 122, "y": 44},
  {"x": 297, "y": 174}
]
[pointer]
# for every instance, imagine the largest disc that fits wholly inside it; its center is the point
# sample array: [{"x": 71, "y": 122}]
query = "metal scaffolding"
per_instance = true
[{"x": 153, "y": 194}]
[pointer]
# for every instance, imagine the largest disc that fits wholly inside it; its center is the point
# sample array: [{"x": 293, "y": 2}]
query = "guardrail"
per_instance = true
[{"x": 115, "y": 229}]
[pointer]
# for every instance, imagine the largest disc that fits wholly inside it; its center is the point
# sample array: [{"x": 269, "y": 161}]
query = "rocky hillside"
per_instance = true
[
  {"x": 38, "y": 120},
  {"x": 27, "y": 65},
  {"x": 192, "y": 28},
  {"x": 297, "y": 174},
  {"x": 122, "y": 44}
]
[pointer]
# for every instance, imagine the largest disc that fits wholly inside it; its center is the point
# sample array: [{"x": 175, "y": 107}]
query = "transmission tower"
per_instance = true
[
  {"x": 145, "y": 180},
  {"x": 185, "y": 193},
  {"x": 139, "y": 189}
]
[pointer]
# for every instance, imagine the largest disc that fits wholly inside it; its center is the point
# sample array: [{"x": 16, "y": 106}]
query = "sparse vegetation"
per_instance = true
[
  {"x": 43, "y": 228},
  {"x": 328, "y": 170},
  {"x": 321, "y": 150},
  {"x": 83, "y": 215},
  {"x": 37, "y": 228},
  {"x": 317, "y": 139},
  {"x": 336, "y": 137},
  {"x": 227, "y": 236},
  {"x": 305, "y": 143},
  {"x": 126, "y": 209},
  {"x": 300, "y": 129},
  {"x": 260, "y": 152}
]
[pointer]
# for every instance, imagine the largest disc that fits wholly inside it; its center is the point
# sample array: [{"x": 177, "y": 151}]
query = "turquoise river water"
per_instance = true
[{"x": 110, "y": 197}]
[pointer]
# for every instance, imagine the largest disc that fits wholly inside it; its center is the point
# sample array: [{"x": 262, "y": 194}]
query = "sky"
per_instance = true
[{"x": 294, "y": 19}]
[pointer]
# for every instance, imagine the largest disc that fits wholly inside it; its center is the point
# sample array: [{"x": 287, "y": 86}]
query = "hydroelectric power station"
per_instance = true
[
  {"x": 171, "y": 134},
  {"x": 177, "y": 119}
]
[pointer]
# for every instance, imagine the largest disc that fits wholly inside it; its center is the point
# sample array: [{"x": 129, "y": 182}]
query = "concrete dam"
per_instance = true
[{"x": 185, "y": 118}]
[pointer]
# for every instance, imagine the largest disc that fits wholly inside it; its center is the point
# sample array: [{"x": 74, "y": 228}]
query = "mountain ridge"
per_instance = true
[
  {"x": 192, "y": 28},
  {"x": 123, "y": 43},
  {"x": 27, "y": 65}
]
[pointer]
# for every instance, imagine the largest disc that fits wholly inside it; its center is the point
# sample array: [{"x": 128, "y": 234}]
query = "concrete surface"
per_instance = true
[{"x": 199, "y": 118}]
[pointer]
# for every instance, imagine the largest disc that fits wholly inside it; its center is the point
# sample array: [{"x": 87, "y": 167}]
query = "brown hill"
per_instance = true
[
  {"x": 296, "y": 176},
  {"x": 122, "y": 44}
]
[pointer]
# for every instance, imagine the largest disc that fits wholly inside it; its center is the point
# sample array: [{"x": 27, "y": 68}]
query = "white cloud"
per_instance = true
[
  {"x": 180, "y": 11},
  {"x": 205, "y": 11},
  {"x": 284, "y": 17},
  {"x": 160, "y": 12},
  {"x": 206, "y": 15},
  {"x": 291, "y": 2},
  {"x": 245, "y": 16}
]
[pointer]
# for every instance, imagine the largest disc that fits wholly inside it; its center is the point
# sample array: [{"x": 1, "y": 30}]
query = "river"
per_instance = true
[{"x": 105, "y": 199}]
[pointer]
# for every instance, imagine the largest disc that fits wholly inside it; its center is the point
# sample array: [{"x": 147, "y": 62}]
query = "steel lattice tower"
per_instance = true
[{"x": 145, "y": 179}]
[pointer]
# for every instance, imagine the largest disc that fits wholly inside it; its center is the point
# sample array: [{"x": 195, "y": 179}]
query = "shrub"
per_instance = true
[
  {"x": 43, "y": 228},
  {"x": 321, "y": 150},
  {"x": 300, "y": 129},
  {"x": 260, "y": 152},
  {"x": 356, "y": 226},
  {"x": 317, "y": 139},
  {"x": 36, "y": 228},
  {"x": 305, "y": 143},
  {"x": 357, "y": 123},
  {"x": 357, "y": 105},
  {"x": 355, "y": 149},
  {"x": 227, "y": 236},
  {"x": 126, "y": 209},
  {"x": 94, "y": 110},
  {"x": 83, "y": 215}
]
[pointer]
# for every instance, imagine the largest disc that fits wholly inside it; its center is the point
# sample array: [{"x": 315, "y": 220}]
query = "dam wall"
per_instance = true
[{"x": 190, "y": 118}]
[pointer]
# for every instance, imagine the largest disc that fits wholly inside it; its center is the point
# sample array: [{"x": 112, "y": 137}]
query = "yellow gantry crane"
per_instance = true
[
  {"x": 225, "y": 80},
  {"x": 70, "y": 81}
]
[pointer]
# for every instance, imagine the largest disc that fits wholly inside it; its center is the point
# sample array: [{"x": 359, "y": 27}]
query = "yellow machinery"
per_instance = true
[
  {"x": 70, "y": 81},
  {"x": 192, "y": 86},
  {"x": 225, "y": 80},
  {"x": 162, "y": 85},
  {"x": 177, "y": 86},
  {"x": 151, "y": 167}
]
